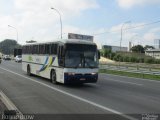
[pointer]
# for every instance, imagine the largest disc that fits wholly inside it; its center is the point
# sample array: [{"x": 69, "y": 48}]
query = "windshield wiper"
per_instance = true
[
  {"x": 81, "y": 58},
  {"x": 91, "y": 67},
  {"x": 76, "y": 66},
  {"x": 88, "y": 64}
]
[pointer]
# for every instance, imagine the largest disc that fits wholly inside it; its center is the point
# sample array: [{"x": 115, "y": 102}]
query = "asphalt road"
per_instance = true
[{"x": 122, "y": 97}]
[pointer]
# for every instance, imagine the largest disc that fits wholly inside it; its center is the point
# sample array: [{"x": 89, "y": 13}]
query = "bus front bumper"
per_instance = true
[{"x": 80, "y": 78}]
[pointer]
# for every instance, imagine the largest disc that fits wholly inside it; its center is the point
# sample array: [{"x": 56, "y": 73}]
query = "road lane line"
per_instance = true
[{"x": 75, "y": 96}]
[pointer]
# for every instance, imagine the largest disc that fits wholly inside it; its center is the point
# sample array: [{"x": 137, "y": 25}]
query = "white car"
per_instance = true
[
  {"x": 18, "y": 58},
  {"x": 7, "y": 57}
]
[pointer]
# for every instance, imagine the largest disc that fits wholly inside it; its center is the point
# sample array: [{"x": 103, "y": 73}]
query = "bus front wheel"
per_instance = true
[
  {"x": 53, "y": 77},
  {"x": 28, "y": 70}
]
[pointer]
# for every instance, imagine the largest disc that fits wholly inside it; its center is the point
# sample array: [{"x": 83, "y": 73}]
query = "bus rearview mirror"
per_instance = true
[{"x": 99, "y": 55}]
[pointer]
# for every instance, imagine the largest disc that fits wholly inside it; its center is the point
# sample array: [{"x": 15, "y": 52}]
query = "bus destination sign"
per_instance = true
[{"x": 81, "y": 37}]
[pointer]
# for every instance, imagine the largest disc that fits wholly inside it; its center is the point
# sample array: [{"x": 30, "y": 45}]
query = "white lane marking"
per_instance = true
[
  {"x": 124, "y": 82},
  {"x": 75, "y": 96},
  {"x": 132, "y": 78}
]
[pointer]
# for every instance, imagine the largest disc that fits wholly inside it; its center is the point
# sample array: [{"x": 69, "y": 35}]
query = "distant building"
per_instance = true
[
  {"x": 157, "y": 43},
  {"x": 155, "y": 53},
  {"x": 115, "y": 48}
]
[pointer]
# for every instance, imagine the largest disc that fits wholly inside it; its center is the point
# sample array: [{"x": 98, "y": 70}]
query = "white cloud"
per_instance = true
[
  {"x": 155, "y": 30},
  {"x": 130, "y": 3},
  {"x": 150, "y": 36},
  {"x": 67, "y": 8},
  {"x": 136, "y": 35},
  {"x": 35, "y": 19}
]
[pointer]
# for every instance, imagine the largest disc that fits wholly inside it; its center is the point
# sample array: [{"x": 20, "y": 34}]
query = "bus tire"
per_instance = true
[
  {"x": 28, "y": 70},
  {"x": 53, "y": 77}
]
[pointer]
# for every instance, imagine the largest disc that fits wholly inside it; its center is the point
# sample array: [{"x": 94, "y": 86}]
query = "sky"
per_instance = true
[{"x": 35, "y": 20}]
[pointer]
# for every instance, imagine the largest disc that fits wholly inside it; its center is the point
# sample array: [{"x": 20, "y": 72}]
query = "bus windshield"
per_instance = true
[{"x": 81, "y": 56}]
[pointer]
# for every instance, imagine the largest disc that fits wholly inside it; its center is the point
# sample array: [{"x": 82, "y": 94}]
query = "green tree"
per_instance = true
[
  {"x": 148, "y": 47},
  {"x": 117, "y": 57},
  {"x": 133, "y": 59},
  {"x": 106, "y": 52},
  {"x": 126, "y": 59},
  {"x": 112, "y": 55},
  {"x": 137, "y": 49},
  {"x": 7, "y": 46}
]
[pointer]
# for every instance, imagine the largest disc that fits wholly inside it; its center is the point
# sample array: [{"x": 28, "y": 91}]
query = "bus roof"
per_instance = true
[{"x": 64, "y": 41}]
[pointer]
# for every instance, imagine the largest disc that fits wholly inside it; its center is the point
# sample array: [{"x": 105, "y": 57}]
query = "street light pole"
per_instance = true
[
  {"x": 121, "y": 36},
  {"x": 122, "y": 32},
  {"x": 60, "y": 18},
  {"x": 15, "y": 29}
]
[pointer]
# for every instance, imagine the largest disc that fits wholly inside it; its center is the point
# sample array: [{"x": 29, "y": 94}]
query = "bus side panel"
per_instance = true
[
  {"x": 24, "y": 66},
  {"x": 40, "y": 65},
  {"x": 60, "y": 75},
  {"x": 48, "y": 64}
]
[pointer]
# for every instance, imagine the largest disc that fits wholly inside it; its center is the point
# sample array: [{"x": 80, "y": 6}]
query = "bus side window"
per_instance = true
[
  {"x": 47, "y": 49},
  {"x": 53, "y": 49},
  {"x": 42, "y": 49},
  {"x": 35, "y": 49},
  {"x": 24, "y": 49},
  {"x": 30, "y": 49}
]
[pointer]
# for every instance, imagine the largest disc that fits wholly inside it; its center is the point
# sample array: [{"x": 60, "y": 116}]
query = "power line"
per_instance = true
[
  {"x": 142, "y": 25},
  {"x": 147, "y": 24}
]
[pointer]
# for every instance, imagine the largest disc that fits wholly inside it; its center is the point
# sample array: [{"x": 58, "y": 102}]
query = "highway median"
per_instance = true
[{"x": 130, "y": 74}]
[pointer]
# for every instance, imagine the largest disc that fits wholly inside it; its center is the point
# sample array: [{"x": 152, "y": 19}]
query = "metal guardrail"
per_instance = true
[{"x": 131, "y": 69}]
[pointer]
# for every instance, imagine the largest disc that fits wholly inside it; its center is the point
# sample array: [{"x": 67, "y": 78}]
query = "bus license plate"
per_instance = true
[{"x": 82, "y": 79}]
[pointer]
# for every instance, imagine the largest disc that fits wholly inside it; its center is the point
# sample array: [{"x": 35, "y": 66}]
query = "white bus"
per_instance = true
[{"x": 65, "y": 61}]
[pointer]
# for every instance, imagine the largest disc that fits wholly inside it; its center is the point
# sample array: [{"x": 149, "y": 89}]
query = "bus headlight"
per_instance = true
[
  {"x": 93, "y": 73},
  {"x": 71, "y": 73}
]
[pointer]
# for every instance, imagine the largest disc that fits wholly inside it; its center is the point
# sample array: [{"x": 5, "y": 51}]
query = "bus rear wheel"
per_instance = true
[
  {"x": 53, "y": 77},
  {"x": 28, "y": 70}
]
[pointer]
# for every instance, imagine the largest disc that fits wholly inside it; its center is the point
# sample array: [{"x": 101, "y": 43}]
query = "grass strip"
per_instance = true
[{"x": 130, "y": 74}]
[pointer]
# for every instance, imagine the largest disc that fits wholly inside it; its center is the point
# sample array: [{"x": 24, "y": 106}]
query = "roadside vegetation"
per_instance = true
[
  {"x": 134, "y": 59},
  {"x": 129, "y": 74},
  {"x": 136, "y": 56}
]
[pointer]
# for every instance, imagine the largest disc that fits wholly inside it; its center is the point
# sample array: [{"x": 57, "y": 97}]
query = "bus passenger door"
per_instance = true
[
  {"x": 61, "y": 56},
  {"x": 60, "y": 73}
]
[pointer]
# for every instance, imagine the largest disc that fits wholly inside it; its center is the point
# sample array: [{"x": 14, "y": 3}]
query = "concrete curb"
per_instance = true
[{"x": 9, "y": 104}]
